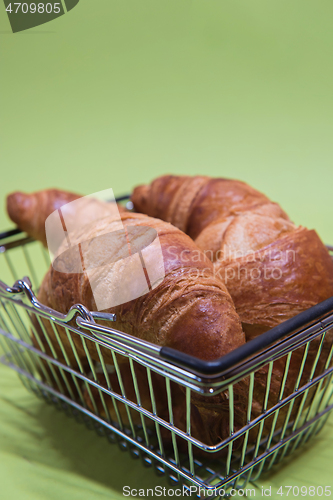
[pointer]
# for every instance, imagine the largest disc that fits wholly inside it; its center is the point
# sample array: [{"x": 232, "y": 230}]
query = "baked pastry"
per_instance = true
[
  {"x": 180, "y": 303},
  {"x": 272, "y": 268},
  {"x": 192, "y": 203},
  {"x": 30, "y": 211},
  {"x": 189, "y": 310}
]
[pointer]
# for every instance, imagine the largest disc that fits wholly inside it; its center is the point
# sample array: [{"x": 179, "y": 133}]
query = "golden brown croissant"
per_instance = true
[
  {"x": 272, "y": 269},
  {"x": 192, "y": 203},
  {"x": 30, "y": 211},
  {"x": 275, "y": 270},
  {"x": 190, "y": 310}
]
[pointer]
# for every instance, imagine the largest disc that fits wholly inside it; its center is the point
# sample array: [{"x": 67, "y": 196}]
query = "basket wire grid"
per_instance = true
[{"x": 118, "y": 392}]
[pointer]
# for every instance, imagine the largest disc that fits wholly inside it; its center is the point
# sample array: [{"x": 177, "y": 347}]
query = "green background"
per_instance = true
[{"x": 115, "y": 93}]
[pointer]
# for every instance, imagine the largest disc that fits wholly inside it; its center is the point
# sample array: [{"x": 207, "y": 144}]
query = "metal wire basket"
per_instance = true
[{"x": 134, "y": 401}]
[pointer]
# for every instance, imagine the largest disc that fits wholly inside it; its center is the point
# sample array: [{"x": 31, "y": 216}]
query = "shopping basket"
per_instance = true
[{"x": 120, "y": 406}]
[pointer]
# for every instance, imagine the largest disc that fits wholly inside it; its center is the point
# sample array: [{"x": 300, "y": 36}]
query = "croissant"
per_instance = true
[
  {"x": 272, "y": 269},
  {"x": 30, "y": 211},
  {"x": 189, "y": 310},
  {"x": 192, "y": 203},
  {"x": 190, "y": 286}
]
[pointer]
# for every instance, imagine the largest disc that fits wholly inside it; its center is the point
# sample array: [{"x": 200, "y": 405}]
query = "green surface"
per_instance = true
[{"x": 115, "y": 93}]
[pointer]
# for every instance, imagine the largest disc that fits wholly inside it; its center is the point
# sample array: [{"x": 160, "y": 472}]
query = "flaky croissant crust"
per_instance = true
[
  {"x": 30, "y": 211},
  {"x": 190, "y": 311},
  {"x": 232, "y": 222},
  {"x": 192, "y": 203},
  {"x": 272, "y": 268}
]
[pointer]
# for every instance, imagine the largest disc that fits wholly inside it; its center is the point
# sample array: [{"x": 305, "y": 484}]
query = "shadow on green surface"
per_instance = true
[{"x": 92, "y": 456}]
